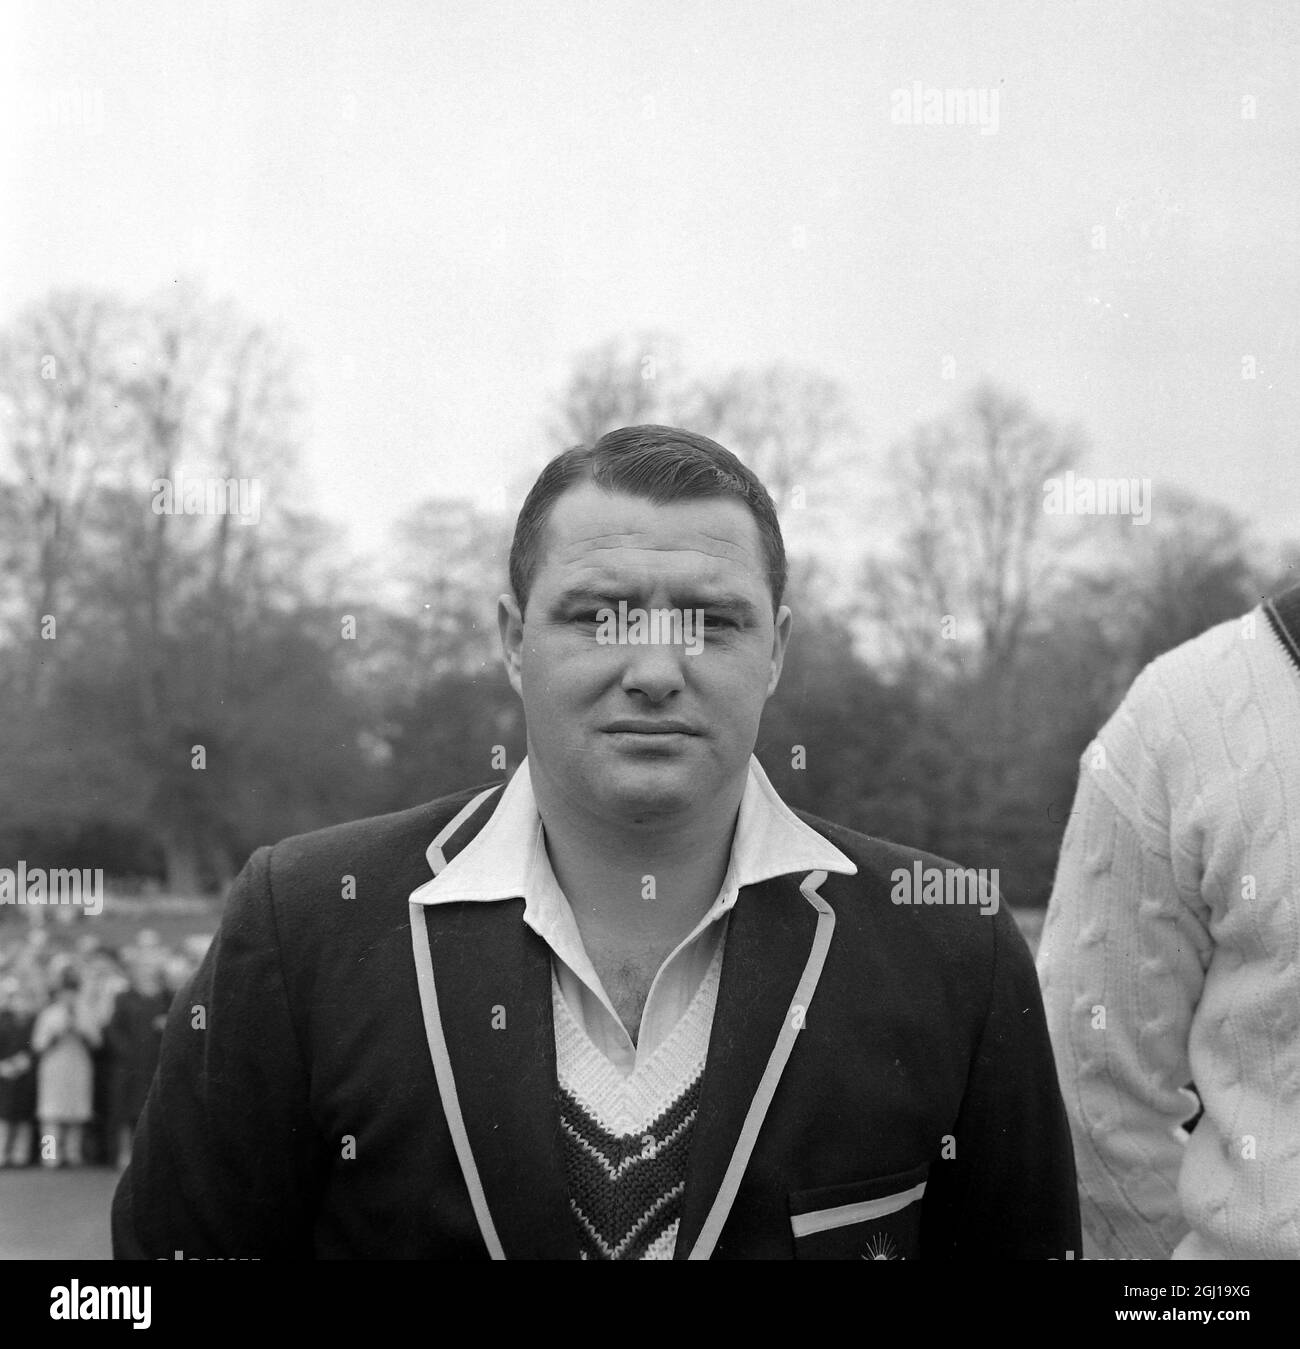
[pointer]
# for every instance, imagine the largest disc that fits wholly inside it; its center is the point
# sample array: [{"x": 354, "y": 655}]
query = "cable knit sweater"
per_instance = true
[{"x": 1171, "y": 954}]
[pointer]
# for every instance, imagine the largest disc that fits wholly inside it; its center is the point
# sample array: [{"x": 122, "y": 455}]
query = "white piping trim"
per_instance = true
[
  {"x": 758, "y": 1107},
  {"x": 433, "y": 853},
  {"x": 438, "y": 1041},
  {"x": 826, "y": 1219}
]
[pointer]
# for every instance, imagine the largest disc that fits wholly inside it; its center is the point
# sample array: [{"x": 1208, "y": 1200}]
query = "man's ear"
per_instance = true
[
  {"x": 780, "y": 637},
  {"x": 510, "y": 624}
]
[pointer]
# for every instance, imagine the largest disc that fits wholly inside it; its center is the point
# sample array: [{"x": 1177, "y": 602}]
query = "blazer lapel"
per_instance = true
[
  {"x": 485, "y": 990},
  {"x": 779, "y": 933}
]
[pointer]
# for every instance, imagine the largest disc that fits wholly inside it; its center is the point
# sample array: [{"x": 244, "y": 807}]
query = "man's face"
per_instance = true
[{"x": 639, "y": 733}]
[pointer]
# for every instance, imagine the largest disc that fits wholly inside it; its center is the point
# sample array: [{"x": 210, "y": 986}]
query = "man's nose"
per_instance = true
[{"x": 654, "y": 669}]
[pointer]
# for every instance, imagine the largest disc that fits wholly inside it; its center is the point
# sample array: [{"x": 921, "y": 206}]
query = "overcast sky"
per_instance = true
[{"x": 438, "y": 204}]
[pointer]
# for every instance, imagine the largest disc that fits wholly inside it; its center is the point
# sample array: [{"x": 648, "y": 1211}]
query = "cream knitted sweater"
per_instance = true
[{"x": 1171, "y": 954}]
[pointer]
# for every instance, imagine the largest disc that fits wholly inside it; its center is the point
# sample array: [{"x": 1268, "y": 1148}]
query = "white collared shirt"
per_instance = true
[{"x": 507, "y": 858}]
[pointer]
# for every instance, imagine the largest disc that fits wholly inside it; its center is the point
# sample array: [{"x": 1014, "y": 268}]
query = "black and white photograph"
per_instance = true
[{"x": 650, "y": 632}]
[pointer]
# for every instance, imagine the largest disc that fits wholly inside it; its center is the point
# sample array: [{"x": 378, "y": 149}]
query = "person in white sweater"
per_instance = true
[{"x": 1171, "y": 954}]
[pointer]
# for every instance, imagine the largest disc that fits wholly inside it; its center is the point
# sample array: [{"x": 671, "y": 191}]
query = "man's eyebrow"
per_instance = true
[
  {"x": 734, "y": 605},
  {"x": 580, "y": 594},
  {"x": 716, "y": 602}
]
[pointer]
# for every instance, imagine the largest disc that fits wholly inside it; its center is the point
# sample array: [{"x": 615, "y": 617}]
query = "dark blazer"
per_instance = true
[
  {"x": 17, "y": 1093},
  {"x": 879, "y": 1079}
]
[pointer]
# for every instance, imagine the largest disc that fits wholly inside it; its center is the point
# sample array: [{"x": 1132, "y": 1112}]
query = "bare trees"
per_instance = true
[
  {"x": 625, "y": 381},
  {"x": 972, "y": 555},
  {"x": 140, "y": 614},
  {"x": 790, "y": 425},
  {"x": 66, "y": 436}
]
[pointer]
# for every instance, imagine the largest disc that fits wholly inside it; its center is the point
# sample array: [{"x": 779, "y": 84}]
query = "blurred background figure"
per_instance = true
[
  {"x": 17, "y": 1075},
  {"x": 105, "y": 981},
  {"x": 64, "y": 1035},
  {"x": 133, "y": 1039}
]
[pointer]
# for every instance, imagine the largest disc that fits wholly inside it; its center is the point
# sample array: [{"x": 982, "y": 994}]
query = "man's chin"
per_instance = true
[{"x": 654, "y": 789}]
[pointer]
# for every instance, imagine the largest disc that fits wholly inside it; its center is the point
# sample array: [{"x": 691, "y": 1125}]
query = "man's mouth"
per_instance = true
[{"x": 628, "y": 726}]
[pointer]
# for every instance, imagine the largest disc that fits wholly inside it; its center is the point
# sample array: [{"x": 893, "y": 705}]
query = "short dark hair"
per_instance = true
[{"x": 660, "y": 463}]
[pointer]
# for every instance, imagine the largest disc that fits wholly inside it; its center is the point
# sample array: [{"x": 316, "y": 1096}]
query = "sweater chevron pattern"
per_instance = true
[{"x": 627, "y": 1139}]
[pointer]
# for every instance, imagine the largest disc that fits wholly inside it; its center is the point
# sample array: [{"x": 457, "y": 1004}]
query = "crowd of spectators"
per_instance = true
[{"x": 80, "y": 1030}]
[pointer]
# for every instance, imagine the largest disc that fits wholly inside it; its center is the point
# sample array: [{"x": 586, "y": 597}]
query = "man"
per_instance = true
[
  {"x": 17, "y": 1073},
  {"x": 1171, "y": 953},
  {"x": 133, "y": 1037},
  {"x": 629, "y": 1006}
]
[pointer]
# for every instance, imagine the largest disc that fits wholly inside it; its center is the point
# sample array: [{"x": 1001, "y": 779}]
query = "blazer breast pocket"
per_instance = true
[{"x": 876, "y": 1219}]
